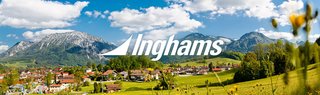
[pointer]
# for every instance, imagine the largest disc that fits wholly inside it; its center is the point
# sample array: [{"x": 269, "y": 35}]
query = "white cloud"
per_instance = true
[
  {"x": 88, "y": 13},
  {"x": 3, "y": 48},
  {"x": 287, "y": 35},
  {"x": 313, "y": 37},
  {"x": 106, "y": 12},
  {"x": 97, "y": 14},
  {"x": 253, "y": 8},
  {"x": 12, "y": 36},
  {"x": 261, "y": 9},
  {"x": 195, "y": 6},
  {"x": 286, "y": 9},
  {"x": 278, "y": 35},
  {"x": 34, "y": 14},
  {"x": 157, "y": 23},
  {"x": 38, "y": 35}
]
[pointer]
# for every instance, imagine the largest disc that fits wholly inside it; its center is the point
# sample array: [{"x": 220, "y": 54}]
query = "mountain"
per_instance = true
[
  {"x": 77, "y": 48},
  {"x": 72, "y": 48},
  {"x": 20, "y": 46},
  {"x": 248, "y": 41},
  {"x": 199, "y": 36}
]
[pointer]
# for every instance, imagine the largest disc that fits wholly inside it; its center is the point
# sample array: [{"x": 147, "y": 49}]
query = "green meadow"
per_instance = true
[
  {"x": 195, "y": 85},
  {"x": 213, "y": 60}
]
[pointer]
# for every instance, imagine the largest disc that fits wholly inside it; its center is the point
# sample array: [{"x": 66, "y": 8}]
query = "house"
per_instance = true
[
  {"x": 155, "y": 74},
  {"x": 216, "y": 69},
  {"x": 67, "y": 81},
  {"x": 57, "y": 69},
  {"x": 124, "y": 74},
  {"x": 1, "y": 76},
  {"x": 68, "y": 76},
  {"x": 58, "y": 73},
  {"x": 23, "y": 75},
  {"x": 86, "y": 78},
  {"x": 41, "y": 89},
  {"x": 65, "y": 74},
  {"x": 88, "y": 70},
  {"x": 56, "y": 88},
  {"x": 113, "y": 88},
  {"x": 202, "y": 72},
  {"x": 108, "y": 73},
  {"x": 90, "y": 73},
  {"x": 137, "y": 75}
]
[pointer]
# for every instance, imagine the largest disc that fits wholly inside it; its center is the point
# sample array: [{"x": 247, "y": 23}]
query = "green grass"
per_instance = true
[
  {"x": 17, "y": 64},
  {"x": 200, "y": 79},
  {"x": 194, "y": 83},
  {"x": 213, "y": 60},
  {"x": 90, "y": 87},
  {"x": 144, "y": 88},
  {"x": 244, "y": 88}
]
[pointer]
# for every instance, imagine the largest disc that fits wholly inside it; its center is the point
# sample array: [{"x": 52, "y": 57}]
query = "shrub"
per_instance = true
[{"x": 86, "y": 83}]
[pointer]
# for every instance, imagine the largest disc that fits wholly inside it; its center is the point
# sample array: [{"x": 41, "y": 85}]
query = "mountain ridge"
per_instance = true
[
  {"x": 248, "y": 41},
  {"x": 78, "y": 48},
  {"x": 71, "y": 48}
]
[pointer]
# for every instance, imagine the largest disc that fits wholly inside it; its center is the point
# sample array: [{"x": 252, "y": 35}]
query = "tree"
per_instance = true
[
  {"x": 86, "y": 83},
  {"x": 210, "y": 66},
  {"x": 3, "y": 88},
  {"x": 266, "y": 69},
  {"x": 55, "y": 78},
  {"x": 28, "y": 83},
  {"x": 95, "y": 87},
  {"x": 100, "y": 68},
  {"x": 280, "y": 60},
  {"x": 48, "y": 79},
  {"x": 94, "y": 66},
  {"x": 166, "y": 82},
  {"x": 100, "y": 88},
  {"x": 314, "y": 50},
  {"x": 89, "y": 65},
  {"x": 106, "y": 67},
  {"x": 78, "y": 79},
  {"x": 250, "y": 68},
  {"x": 12, "y": 78}
]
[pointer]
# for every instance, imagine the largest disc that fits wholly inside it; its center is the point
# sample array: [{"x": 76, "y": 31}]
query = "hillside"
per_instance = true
[{"x": 72, "y": 48}]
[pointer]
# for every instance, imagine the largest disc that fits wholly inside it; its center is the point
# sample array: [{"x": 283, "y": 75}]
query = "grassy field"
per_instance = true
[
  {"x": 18, "y": 64},
  {"x": 213, "y": 60},
  {"x": 261, "y": 86},
  {"x": 191, "y": 83}
]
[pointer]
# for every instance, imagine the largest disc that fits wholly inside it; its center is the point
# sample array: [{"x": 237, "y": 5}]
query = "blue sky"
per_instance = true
[{"x": 116, "y": 20}]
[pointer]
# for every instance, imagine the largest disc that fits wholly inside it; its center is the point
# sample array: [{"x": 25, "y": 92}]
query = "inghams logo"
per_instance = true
[{"x": 170, "y": 47}]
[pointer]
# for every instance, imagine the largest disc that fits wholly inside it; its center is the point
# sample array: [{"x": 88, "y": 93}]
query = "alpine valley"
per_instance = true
[{"x": 78, "y": 48}]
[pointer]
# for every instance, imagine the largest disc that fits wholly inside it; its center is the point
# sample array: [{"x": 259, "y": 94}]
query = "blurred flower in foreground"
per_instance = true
[{"x": 296, "y": 22}]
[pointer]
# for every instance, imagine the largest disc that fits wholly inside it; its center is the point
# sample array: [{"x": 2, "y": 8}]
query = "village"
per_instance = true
[{"x": 46, "y": 81}]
